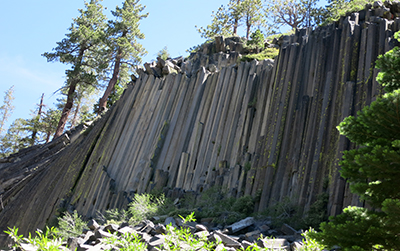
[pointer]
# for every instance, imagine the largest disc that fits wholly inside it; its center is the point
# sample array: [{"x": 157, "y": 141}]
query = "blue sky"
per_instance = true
[{"x": 29, "y": 28}]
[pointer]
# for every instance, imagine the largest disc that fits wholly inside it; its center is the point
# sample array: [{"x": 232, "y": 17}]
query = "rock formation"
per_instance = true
[{"x": 266, "y": 129}]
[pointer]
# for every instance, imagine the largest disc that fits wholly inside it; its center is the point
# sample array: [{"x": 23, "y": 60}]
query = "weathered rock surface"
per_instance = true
[{"x": 256, "y": 128}]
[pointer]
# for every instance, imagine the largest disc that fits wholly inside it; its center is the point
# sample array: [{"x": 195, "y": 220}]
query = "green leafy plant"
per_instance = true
[
  {"x": 43, "y": 241},
  {"x": 144, "y": 206},
  {"x": 113, "y": 216},
  {"x": 389, "y": 76},
  {"x": 178, "y": 238},
  {"x": 268, "y": 53},
  {"x": 309, "y": 243},
  {"x": 15, "y": 237},
  {"x": 126, "y": 242},
  {"x": 284, "y": 211},
  {"x": 70, "y": 225},
  {"x": 46, "y": 241},
  {"x": 256, "y": 40},
  {"x": 318, "y": 212},
  {"x": 338, "y": 8}
]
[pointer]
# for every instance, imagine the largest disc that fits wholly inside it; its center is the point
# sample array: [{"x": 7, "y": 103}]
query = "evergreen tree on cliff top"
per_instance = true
[
  {"x": 79, "y": 49},
  {"x": 227, "y": 19},
  {"x": 372, "y": 169},
  {"x": 121, "y": 44}
]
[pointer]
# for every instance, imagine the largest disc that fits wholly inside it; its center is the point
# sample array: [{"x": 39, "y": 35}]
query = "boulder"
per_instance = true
[
  {"x": 92, "y": 225},
  {"x": 237, "y": 226}
]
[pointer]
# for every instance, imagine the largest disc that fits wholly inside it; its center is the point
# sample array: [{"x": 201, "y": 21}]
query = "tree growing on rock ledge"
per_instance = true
[
  {"x": 227, "y": 19},
  {"x": 122, "y": 48},
  {"x": 80, "y": 49}
]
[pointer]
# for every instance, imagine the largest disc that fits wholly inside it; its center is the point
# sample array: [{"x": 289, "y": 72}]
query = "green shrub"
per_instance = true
[
  {"x": 70, "y": 225},
  {"x": 244, "y": 205},
  {"x": 318, "y": 212},
  {"x": 355, "y": 229},
  {"x": 310, "y": 243},
  {"x": 144, "y": 206},
  {"x": 127, "y": 242},
  {"x": 43, "y": 241},
  {"x": 339, "y": 8},
  {"x": 268, "y": 53},
  {"x": 113, "y": 216},
  {"x": 256, "y": 41},
  {"x": 285, "y": 211}
]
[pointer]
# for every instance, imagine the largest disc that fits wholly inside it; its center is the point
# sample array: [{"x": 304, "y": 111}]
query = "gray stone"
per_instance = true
[
  {"x": 220, "y": 44},
  {"x": 237, "y": 226},
  {"x": 145, "y": 236},
  {"x": 288, "y": 230},
  {"x": 253, "y": 235},
  {"x": 92, "y": 225},
  {"x": 202, "y": 234},
  {"x": 73, "y": 243},
  {"x": 125, "y": 230},
  {"x": 220, "y": 247},
  {"x": 102, "y": 234},
  {"x": 246, "y": 244},
  {"x": 212, "y": 68},
  {"x": 201, "y": 227},
  {"x": 84, "y": 247},
  {"x": 156, "y": 241},
  {"x": 160, "y": 228},
  {"x": 377, "y": 4},
  {"x": 228, "y": 240},
  {"x": 28, "y": 247},
  {"x": 148, "y": 227},
  {"x": 296, "y": 245},
  {"x": 112, "y": 228},
  {"x": 274, "y": 244},
  {"x": 170, "y": 220},
  {"x": 168, "y": 70}
]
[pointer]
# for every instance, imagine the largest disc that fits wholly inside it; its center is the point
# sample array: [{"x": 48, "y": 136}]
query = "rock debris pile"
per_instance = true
[{"x": 238, "y": 236}]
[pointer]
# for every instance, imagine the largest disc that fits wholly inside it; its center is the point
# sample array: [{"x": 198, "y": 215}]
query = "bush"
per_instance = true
[
  {"x": 70, "y": 225},
  {"x": 145, "y": 206},
  {"x": 43, "y": 241},
  {"x": 127, "y": 242},
  {"x": 244, "y": 205},
  {"x": 268, "y": 53},
  {"x": 113, "y": 216}
]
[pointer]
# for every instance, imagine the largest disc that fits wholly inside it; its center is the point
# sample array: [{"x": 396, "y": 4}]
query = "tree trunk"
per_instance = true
[
  {"x": 236, "y": 22},
  {"x": 248, "y": 27},
  {"x": 75, "y": 118},
  {"x": 111, "y": 84},
  {"x": 70, "y": 96},
  {"x": 67, "y": 108},
  {"x": 34, "y": 132}
]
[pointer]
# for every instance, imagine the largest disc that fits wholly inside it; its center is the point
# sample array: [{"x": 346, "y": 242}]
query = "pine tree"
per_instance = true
[
  {"x": 122, "y": 45},
  {"x": 163, "y": 53},
  {"x": 220, "y": 24},
  {"x": 80, "y": 48},
  {"x": 252, "y": 15},
  {"x": 15, "y": 139},
  {"x": 7, "y": 108}
]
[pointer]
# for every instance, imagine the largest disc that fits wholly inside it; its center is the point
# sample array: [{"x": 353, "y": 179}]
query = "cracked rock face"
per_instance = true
[{"x": 257, "y": 128}]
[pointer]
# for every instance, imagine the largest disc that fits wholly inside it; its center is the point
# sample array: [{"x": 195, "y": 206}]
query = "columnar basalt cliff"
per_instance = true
[{"x": 266, "y": 129}]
